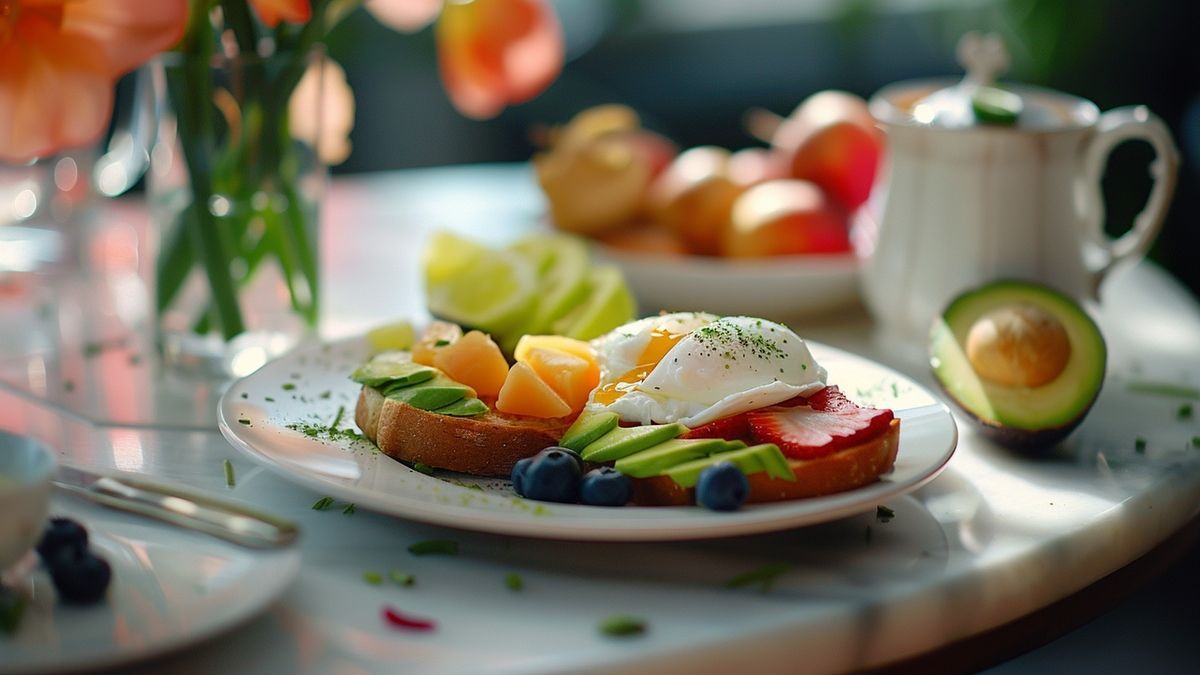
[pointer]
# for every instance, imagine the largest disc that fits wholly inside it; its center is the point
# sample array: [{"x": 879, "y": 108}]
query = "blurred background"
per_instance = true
[{"x": 692, "y": 68}]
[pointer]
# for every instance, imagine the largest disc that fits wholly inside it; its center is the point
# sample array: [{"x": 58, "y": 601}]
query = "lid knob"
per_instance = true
[{"x": 983, "y": 56}]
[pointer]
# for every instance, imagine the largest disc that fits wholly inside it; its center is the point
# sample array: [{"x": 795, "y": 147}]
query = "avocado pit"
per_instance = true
[{"x": 1018, "y": 345}]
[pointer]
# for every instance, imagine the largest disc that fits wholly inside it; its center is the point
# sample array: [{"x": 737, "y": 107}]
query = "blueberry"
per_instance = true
[
  {"x": 518, "y": 475},
  {"x": 552, "y": 476},
  {"x": 722, "y": 487},
  {"x": 60, "y": 534},
  {"x": 81, "y": 578},
  {"x": 569, "y": 452},
  {"x": 605, "y": 487}
]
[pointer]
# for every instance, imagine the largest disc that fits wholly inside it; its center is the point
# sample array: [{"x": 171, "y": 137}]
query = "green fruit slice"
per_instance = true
[
  {"x": 655, "y": 460},
  {"x": 475, "y": 286},
  {"x": 562, "y": 264},
  {"x": 380, "y": 372},
  {"x": 750, "y": 460},
  {"x": 467, "y": 407},
  {"x": 589, "y": 427},
  {"x": 624, "y": 441},
  {"x": 439, "y": 392},
  {"x": 608, "y": 305}
]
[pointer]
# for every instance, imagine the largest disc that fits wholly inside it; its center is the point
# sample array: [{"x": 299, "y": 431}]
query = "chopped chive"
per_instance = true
[
  {"x": 270, "y": 400},
  {"x": 1139, "y": 444},
  {"x": 243, "y": 420},
  {"x": 1164, "y": 389},
  {"x": 402, "y": 578},
  {"x": 421, "y": 467},
  {"x": 513, "y": 581},
  {"x": 245, "y": 395},
  {"x": 441, "y": 343},
  {"x": 883, "y": 514},
  {"x": 326, "y": 394},
  {"x": 1184, "y": 412},
  {"x": 230, "y": 479},
  {"x": 322, "y": 504},
  {"x": 349, "y": 510},
  {"x": 287, "y": 386},
  {"x": 337, "y": 419},
  {"x": 434, "y": 547},
  {"x": 373, "y": 578},
  {"x": 765, "y": 576},
  {"x": 622, "y": 625}
]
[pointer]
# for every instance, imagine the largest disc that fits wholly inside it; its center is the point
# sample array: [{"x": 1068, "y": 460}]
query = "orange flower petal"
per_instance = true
[
  {"x": 126, "y": 33},
  {"x": 493, "y": 53},
  {"x": 271, "y": 12},
  {"x": 406, "y": 16}
]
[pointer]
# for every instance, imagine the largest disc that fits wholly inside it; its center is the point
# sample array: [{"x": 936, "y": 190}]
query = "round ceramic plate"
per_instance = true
[
  {"x": 170, "y": 588},
  {"x": 296, "y": 416},
  {"x": 771, "y": 288}
]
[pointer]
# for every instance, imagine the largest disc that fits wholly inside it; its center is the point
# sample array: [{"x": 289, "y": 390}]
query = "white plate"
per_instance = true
[
  {"x": 264, "y": 415},
  {"x": 170, "y": 588},
  {"x": 771, "y": 288}
]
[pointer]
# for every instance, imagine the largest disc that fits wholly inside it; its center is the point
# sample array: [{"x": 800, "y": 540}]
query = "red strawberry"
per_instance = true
[
  {"x": 829, "y": 423},
  {"x": 734, "y": 427}
]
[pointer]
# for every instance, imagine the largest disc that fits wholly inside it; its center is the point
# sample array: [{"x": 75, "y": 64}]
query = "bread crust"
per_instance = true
[
  {"x": 843, "y": 470},
  {"x": 483, "y": 445}
]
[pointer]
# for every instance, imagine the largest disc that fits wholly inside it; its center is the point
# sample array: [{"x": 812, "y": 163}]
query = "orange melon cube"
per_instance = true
[
  {"x": 473, "y": 360},
  {"x": 524, "y": 393},
  {"x": 437, "y": 336},
  {"x": 569, "y": 376},
  {"x": 557, "y": 342}
]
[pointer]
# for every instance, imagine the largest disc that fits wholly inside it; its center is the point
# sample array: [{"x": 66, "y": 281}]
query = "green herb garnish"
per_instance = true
[
  {"x": 883, "y": 514},
  {"x": 402, "y": 578},
  {"x": 622, "y": 625},
  {"x": 513, "y": 581},
  {"x": 764, "y": 576},
  {"x": 337, "y": 419},
  {"x": 230, "y": 479},
  {"x": 373, "y": 578},
  {"x": 441, "y": 343},
  {"x": 287, "y": 386},
  {"x": 1184, "y": 412},
  {"x": 434, "y": 547},
  {"x": 243, "y": 420},
  {"x": 1164, "y": 389},
  {"x": 348, "y": 510},
  {"x": 421, "y": 467},
  {"x": 322, "y": 504},
  {"x": 1139, "y": 444}
]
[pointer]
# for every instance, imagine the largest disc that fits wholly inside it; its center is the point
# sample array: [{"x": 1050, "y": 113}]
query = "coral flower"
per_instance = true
[
  {"x": 271, "y": 12},
  {"x": 60, "y": 59},
  {"x": 321, "y": 110},
  {"x": 496, "y": 52}
]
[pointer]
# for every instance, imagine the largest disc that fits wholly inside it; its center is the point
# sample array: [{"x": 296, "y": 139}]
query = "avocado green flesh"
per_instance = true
[
  {"x": 587, "y": 428},
  {"x": 1059, "y": 403},
  {"x": 655, "y": 460},
  {"x": 756, "y": 458},
  {"x": 392, "y": 371},
  {"x": 465, "y": 407},
  {"x": 624, "y": 441}
]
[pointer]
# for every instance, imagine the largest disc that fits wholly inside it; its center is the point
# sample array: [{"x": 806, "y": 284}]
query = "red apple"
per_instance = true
[
  {"x": 693, "y": 197},
  {"x": 831, "y": 139},
  {"x": 784, "y": 217}
]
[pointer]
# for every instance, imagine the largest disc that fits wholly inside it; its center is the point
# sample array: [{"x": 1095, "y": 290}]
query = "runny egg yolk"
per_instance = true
[{"x": 661, "y": 342}]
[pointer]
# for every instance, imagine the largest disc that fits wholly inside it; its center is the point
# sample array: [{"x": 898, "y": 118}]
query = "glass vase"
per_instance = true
[{"x": 235, "y": 199}]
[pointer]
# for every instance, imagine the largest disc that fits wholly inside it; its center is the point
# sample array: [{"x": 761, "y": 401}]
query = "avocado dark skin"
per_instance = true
[{"x": 1024, "y": 362}]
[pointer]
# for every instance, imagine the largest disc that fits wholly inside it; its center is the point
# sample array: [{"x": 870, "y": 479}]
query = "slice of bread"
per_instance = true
[
  {"x": 843, "y": 470},
  {"x": 483, "y": 445}
]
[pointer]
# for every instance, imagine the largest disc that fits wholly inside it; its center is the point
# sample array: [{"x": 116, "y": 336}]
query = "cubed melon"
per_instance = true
[
  {"x": 569, "y": 376},
  {"x": 474, "y": 360},
  {"x": 437, "y": 336},
  {"x": 525, "y": 393}
]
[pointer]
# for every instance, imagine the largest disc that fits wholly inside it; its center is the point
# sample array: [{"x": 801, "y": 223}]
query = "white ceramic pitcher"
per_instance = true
[{"x": 958, "y": 205}]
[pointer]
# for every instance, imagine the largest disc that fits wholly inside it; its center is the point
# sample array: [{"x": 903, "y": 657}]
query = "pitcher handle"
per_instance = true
[
  {"x": 1113, "y": 128},
  {"x": 127, "y": 156}
]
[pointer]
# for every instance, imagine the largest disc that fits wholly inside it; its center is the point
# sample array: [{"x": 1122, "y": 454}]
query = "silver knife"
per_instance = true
[{"x": 179, "y": 506}]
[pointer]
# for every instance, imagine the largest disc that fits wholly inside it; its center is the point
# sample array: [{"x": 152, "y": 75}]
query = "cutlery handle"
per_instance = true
[{"x": 219, "y": 518}]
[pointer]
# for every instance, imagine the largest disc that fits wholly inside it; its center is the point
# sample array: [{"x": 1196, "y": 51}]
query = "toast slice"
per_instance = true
[
  {"x": 843, "y": 470},
  {"x": 483, "y": 445}
]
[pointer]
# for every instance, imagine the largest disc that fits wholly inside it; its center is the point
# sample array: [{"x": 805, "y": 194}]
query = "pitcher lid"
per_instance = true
[{"x": 977, "y": 101}]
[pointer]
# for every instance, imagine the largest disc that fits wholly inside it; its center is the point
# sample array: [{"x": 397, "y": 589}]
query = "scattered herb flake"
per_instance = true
[
  {"x": 1196, "y": 441},
  {"x": 1139, "y": 444},
  {"x": 287, "y": 386},
  {"x": 326, "y": 394},
  {"x": 883, "y": 514},
  {"x": 764, "y": 576},
  {"x": 268, "y": 399},
  {"x": 513, "y": 581},
  {"x": 337, "y": 419},
  {"x": 373, "y": 578},
  {"x": 398, "y": 620},
  {"x": 92, "y": 349},
  {"x": 1164, "y": 389},
  {"x": 622, "y": 625},
  {"x": 322, "y": 504},
  {"x": 441, "y": 343},
  {"x": 243, "y": 420},
  {"x": 421, "y": 467},
  {"x": 434, "y": 547},
  {"x": 230, "y": 479},
  {"x": 245, "y": 395},
  {"x": 349, "y": 509},
  {"x": 1184, "y": 412},
  {"x": 402, "y": 578}
]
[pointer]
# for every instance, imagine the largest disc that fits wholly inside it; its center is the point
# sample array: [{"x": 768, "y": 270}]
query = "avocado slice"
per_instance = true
[
  {"x": 587, "y": 428},
  {"x": 624, "y": 441},
  {"x": 463, "y": 407},
  {"x": 438, "y": 392},
  {"x": 391, "y": 370},
  {"x": 656, "y": 459},
  {"x": 1022, "y": 360},
  {"x": 756, "y": 458}
]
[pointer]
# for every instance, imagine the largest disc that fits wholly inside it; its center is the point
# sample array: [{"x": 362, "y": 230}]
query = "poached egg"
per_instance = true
[{"x": 693, "y": 368}]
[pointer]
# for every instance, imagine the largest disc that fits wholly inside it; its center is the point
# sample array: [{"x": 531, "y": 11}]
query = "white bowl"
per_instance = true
[
  {"x": 26, "y": 468},
  {"x": 779, "y": 288}
]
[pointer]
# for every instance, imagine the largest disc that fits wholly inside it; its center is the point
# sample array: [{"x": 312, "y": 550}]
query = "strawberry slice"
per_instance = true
[
  {"x": 732, "y": 428},
  {"x": 829, "y": 423}
]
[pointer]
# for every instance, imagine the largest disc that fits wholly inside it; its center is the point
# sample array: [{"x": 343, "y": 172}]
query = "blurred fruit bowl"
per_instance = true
[{"x": 777, "y": 288}]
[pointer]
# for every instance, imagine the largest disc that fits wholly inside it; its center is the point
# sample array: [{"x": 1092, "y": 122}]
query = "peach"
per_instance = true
[
  {"x": 646, "y": 239},
  {"x": 784, "y": 217},
  {"x": 693, "y": 197},
  {"x": 831, "y": 139}
]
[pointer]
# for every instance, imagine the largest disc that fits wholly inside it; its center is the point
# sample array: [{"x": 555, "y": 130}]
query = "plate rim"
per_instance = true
[{"x": 844, "y": 504}]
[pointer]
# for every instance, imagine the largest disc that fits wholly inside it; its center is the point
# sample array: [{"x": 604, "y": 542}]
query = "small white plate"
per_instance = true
[
  {"x": 280, "y": 416},
  {"x": 170, "y": 588},
  {"x": 776, "y": 288}
]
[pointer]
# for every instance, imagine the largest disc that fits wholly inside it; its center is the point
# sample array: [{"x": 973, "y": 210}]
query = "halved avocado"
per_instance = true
[{"x": 1022, "y": 360}]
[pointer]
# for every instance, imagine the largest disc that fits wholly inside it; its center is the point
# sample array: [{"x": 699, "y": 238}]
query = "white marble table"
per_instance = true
[{"x": 995, "y": 538}]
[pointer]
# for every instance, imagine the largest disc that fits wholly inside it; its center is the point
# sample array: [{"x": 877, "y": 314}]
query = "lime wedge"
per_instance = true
[
  {"x": 475, "y": 286},
  {"x": 608, "y": 305},
  {"x": 993, "y": 105},
  {"x": 562, "y": 284}
]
